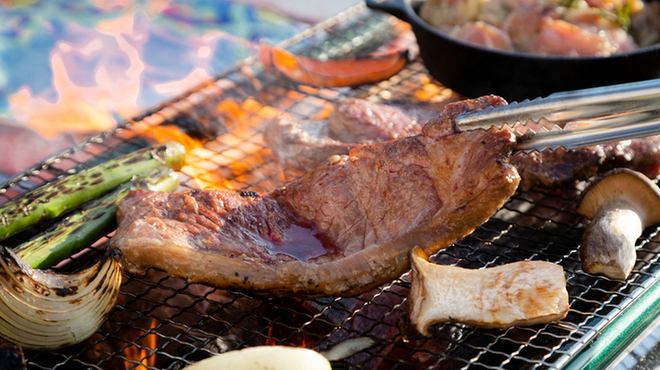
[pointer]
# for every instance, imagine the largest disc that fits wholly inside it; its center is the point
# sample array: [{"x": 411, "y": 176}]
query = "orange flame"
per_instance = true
[
  {"x": 85, "y": 108},
  {"x": 111, "y": 87},
  {"x": 242, "y": 149},
  {"x": 269, "y": 340},
  {"x": 162, "y": 134},
  {"x": 142, "y": 353},
  {"x": 431, "y": 91}
]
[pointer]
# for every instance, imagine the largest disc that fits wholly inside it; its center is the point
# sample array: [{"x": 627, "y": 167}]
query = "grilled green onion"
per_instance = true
[
  {"x": 86, "y": 226},
  {"x": 67, "y": 193}
]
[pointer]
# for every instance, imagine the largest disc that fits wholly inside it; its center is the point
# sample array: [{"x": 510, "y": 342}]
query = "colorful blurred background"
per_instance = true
[{"x": 72, "y": 68}]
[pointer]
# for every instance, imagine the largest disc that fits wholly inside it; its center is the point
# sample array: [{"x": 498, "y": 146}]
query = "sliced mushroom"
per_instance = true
[
  {"x": 519, "y": 293},
  {"x": 620, "y": 205}
]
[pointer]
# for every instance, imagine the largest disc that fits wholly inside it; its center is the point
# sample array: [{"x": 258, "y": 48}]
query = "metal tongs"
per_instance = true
[{"x": 577, "y": 118}]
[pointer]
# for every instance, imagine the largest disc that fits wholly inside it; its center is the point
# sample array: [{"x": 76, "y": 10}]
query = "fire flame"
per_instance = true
[
  {"x": 99, "y": 75},
  {"x": 81, "y": 108},
  {"x": 244, "y": 147},
  {"x": 162, "y": 134},
  {"x": 142, "y": 353},
  {"x": 269, "y": 336},
  {"x": 431, "y": 91}
]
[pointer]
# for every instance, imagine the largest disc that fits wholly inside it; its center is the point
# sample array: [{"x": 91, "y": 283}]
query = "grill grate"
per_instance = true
[{"x": 161, "y": 322}]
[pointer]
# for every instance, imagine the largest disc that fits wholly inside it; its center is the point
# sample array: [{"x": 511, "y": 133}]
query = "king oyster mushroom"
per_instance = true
[
  {"x": 620, "y": 204},
  {"x": 519, "y": 293}
]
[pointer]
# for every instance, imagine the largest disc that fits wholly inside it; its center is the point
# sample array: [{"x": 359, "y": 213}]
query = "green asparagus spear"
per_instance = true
[
  {"x": 95, "y": 219},
  {"x": 58, "y": 197}
]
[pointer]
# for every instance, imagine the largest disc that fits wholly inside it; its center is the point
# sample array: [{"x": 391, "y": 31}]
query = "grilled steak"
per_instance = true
[
  {"x": 554, "y": 167},
  {"x": 341, "y": 229},
  {"x": 303, "y": 145},
  {"x": 360, "y": 121}
]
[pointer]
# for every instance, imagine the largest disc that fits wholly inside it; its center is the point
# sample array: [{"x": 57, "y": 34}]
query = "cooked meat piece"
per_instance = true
[
  {"x": 301, "y": 145},
  {"x": 450, "y": 12},
  {"x": 559, "y": 37},
  {"x": 360, "y": 121},
  {"x": 523, "y": 25},
  {"x": 341, "y": 229},
  {"x": 304, "y": 145},
  {"x": 645, "y": 25},
  {"x": 640, "y": 154},
  {"x": 555, "y": 167}
]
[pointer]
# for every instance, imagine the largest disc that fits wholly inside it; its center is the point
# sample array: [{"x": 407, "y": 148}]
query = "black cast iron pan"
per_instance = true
[{"x": 472, "y": 70}]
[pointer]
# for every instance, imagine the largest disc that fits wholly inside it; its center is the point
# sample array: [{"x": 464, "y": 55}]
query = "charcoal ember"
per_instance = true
[
  {"x": 198, "y": 124},
  {"x": 379, "y": 315},
  {"x": 155, "y": 307},
  {"x": 11, "y": 357}
]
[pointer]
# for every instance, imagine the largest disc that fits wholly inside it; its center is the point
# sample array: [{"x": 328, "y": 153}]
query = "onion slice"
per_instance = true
[
  {"x": 265, "y": 358},
  {"x": 47, "y": 310}
]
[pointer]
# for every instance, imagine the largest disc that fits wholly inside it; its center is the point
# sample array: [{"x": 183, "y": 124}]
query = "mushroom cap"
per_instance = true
[{"x": 623, "y": 186}]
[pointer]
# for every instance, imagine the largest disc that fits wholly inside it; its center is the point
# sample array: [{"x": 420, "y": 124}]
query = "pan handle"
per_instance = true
[{"x": 396, "y": 8}]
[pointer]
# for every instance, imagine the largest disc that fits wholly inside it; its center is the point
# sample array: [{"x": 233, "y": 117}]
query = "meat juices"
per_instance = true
[{"x": 367, "y": 208}]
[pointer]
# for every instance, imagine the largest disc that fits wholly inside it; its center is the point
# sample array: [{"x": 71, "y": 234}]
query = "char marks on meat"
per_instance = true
[{"x": 367, "y": 210}]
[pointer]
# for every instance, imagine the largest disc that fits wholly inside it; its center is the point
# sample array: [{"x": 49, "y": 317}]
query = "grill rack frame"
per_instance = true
[{"x": 541, "y": 216}]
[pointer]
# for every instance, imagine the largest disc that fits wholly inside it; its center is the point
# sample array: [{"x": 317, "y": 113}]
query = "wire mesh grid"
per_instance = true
[{"x": 161, "y": 322}]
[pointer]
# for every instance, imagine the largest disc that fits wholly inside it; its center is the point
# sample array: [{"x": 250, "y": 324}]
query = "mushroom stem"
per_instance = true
[
  {"x": 620, "y": 205},
  {"x": 608, "y": 243},
  {"x": 519, "y": 293}
]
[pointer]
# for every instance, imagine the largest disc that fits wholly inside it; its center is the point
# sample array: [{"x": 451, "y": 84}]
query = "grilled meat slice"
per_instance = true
[
  {"x": 341, "y": 229},
  {"x": 303, "y": 145},
  {"x": 361, "y": 121},
  {"x": 560, "y": 166},
  {"x": 358, "y": 121},
  {"x": 640, "y": 154},
  {"x": 553, "y": 167}
]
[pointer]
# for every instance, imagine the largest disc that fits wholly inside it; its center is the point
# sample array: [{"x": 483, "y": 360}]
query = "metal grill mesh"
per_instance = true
[{"x": 163, "y": 322}]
